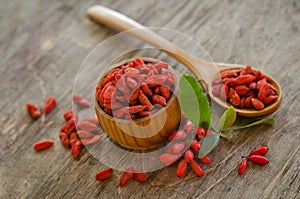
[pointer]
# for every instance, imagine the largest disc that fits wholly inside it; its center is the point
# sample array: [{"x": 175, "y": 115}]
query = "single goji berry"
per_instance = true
[
  {"x": 180, "y": 135},
  {"x": 205, "y": 160},
  {"x": 224, "y": 92},
  {"x": 196, "y": 167},
  {"x": 92, "y": 140},
  {"x": 69, "y": 114},
  {"x": 49, "y": 104},
  {"x": 217, "y": 81},
  {"x": 94, "y": 120},
  {"x": 104, "y": 174},
  {"x": 144, "y": 100},
  {"x": 258, "y": 159},
  {"x": 64, "y": 139},
  {"x": 156, "y": 80},
  {"x": 42, "y": 145},
  {"x": 243, "y": 166},
  {"x": 86, "y": 125},
  {"x": 139, "y": 176},
  {"x": 270, "y": 99},
  {"x": 33, "y": 110},
  {"x": 241, "y": 90},
  {"x": 196, "y": 146},
  {"x": 189, "y": 155},
  {"x": 146, "y": 90},
  {"x": 188, "y": 126},
  {"x": 75, "y": 150},
  {"x": 200, "y": 132},
  {"x": 126, "y": 176},
  {"x": 216, "y": 90},
  {"x": 165, "y": 92},
  {"x": 157, "y": 99},
  {"x": 234, "y": 97},
  {"x": 244, "y": 79},
  {"x": 77, "y": 99},
  {"x": 260, "y": 151},
  {"x": 168, "y": 158},
  {"x": 160, "y": 65},
  {"x": 73, "y": 138},
  {"x": 132, "y": 72},
  {"x": 229, "y": 73},
  {"x": 257, "y": 104},
  {"x": 176, "y": 148},
  {"x": 181, "y": 168},
  {"x": 83, "y": 134}
]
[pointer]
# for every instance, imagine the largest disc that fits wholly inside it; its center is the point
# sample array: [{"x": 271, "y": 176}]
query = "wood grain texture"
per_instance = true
[{"x": 42, "y": 45}]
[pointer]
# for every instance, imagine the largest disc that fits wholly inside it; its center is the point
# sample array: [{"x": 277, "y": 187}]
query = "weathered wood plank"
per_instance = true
[{"x": 42, "y": 45}]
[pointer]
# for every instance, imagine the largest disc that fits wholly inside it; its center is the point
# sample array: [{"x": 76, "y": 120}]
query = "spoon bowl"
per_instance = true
[{"x": 120, "y": 22}]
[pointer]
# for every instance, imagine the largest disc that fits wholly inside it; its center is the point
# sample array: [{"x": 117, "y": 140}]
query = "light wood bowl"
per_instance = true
[{"x": 145, "y": 133}]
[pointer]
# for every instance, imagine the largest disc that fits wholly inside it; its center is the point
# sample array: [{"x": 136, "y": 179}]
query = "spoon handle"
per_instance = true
[{"x": 121, "y": 22}]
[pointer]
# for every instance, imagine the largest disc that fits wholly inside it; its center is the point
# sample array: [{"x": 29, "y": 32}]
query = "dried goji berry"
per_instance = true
[
  {"x": 188, "y": 126},
  {"x": 104, "y": 174},
  {"x": 157, "y": 99},
  {"x": 83, "y": 134},
  {"x": 200, "y": 132},
  {"x": 196, "y": 146},
  {"x": 139, "y": 176},
  {"x": 168, "y": 158},
  {"x": 42, "y": 145},
  {"x": 75, "y": 150},
  {"x": 156, "y": 80},
  {"x": 126, "y": 176},
  {"x": 165, "y": 92},
  {"x": 244, "y": 79},
  {"x": 94, "y": 120},
  {"x": 33, "y": 110},
  {"x": 180, "y": 135},
  {"x": 73, "y": 138},
  {"x": 86, "y": 125},
  {"x": 229, "y": 73},
  {"x": 259, "y": 151},
  {"x": 234, "y": 97},
  {"x": 196, "y": 167},
  {"x": 49, "y": 104},
  {"x": 258, "y": 159},
  {"x": 176, "y": 148},
  {"x": 243, "y": 166},
  {"x": 189, "y": 155},
  {"x": 64, "y": 139},
  {"x": 270, "y": 99},
  {"x": 216, "y": 90},
  {"x": 181, "y": 168},
  {"x": 144, "y": 100},
  {"x": 69, "y": 114},
  {"x": 241, "y": 90},
  {"x": 77, "y": 99},
  {"x": 205, "y": 160},
  {"x": 257, "y": 104},
  {"x": 92, "y": 140},
  {"x": 146, "y": 90}
]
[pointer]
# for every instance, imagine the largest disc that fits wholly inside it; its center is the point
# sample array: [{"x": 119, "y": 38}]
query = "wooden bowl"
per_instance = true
[{"x": 145, "y": 133}]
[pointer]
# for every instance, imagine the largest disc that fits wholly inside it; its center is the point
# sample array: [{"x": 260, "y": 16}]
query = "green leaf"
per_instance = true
[
  {"x": 208, "y": 144},
  {"x": 194, "y": 102},
  {"x": 228, "y": 118},
  {"x": 271, "y": 121}
]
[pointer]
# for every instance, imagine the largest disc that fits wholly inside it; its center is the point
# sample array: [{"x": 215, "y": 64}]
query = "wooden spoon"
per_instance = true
[{"x": 120, "y": 22}]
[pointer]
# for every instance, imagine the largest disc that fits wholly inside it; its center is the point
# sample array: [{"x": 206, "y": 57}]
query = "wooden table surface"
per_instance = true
[{"x": 42, "y": 45}]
